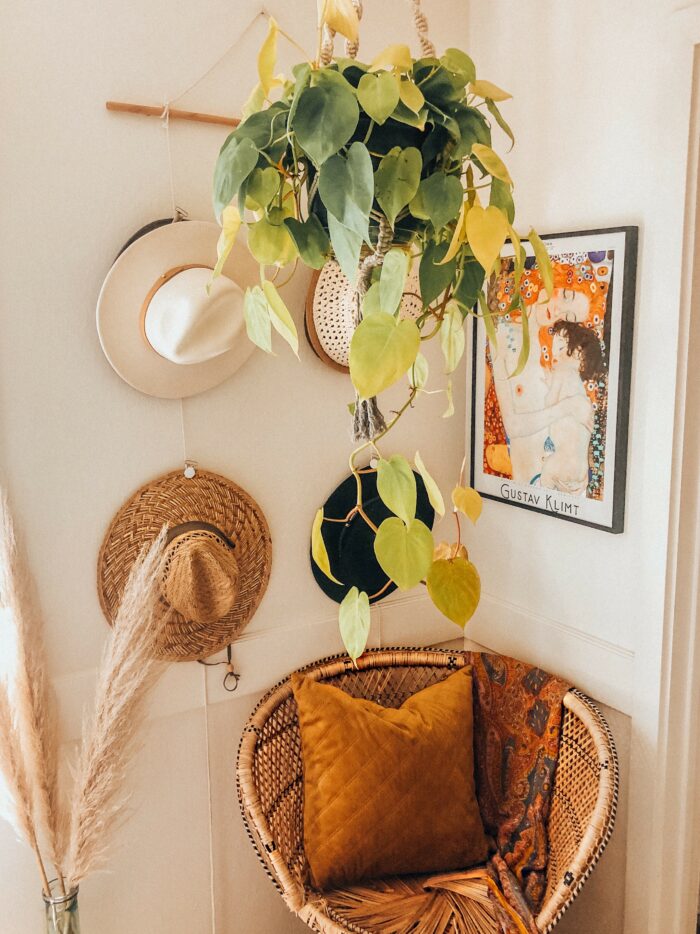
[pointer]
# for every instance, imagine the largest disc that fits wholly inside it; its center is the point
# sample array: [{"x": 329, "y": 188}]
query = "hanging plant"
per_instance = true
[{"x": 379, "y": 165}]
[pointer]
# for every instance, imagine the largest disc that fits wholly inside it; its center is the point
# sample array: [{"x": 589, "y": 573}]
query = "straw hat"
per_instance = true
[
  {"x": 350, "y": 544},
  {"x": 162, "y": 331},
  {"x": 216, "y": 564},
  {"x": 328, "y": 321}
]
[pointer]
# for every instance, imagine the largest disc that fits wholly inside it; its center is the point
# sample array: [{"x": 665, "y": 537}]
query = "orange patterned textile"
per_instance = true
[{"x": 517, "y": 723}]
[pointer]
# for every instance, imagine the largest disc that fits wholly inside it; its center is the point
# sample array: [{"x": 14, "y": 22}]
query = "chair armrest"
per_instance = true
[{"x": 584, "y": 804}]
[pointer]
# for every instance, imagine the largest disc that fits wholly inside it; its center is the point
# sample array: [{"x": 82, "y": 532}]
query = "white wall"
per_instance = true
[
  {"x": 600, "y": 114},
  {"x": 600, "y": 141},
  {"x": 75, "y": 441}
]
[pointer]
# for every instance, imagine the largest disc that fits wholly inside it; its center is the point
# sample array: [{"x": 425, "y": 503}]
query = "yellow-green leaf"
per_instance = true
[
  {"x": 411, "y": 95},
  {"x": 280, "y": 317},
  {"x": 378, "y": 95},
  {"x": 432, "y": 489},
  {"x": 255, "y": 101},
  {"x": 393, "y": 56},
  {"x": 489, "y": 91},
  {"x": 354, "y": 619},
  {"x": 256, "y": 313},
  {"x": 459, "y": 235},
  {"x": 418, "y": 372},
  {"x": 271, "y": 244},
  {"x": 396, "y": 485},
  {"x": 544, "y": 263},
  {"x": 261, "y": 187},
  {"x": 381, "y": 350},
  {"x": 230, "y": 225},
  {"x": 340, "y": 16},
  {"x": 318, "y": 547},
  {"x": 455, "y": 588},
  {"x": 452, "y": 337},
  {"x": 492, "y": 162},
  {"x": 267, "y": 58},
  {"x": 468, "y": 502},
  {"x": 450, "y": 410},
  {"x": 404, "y": 552},
  {"x": 487, "y": 229}
]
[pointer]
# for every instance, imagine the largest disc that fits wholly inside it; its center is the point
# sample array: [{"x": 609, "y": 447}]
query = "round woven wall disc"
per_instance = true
[
  {"x": 175, "y": 500},
  {"x": 328, "y": 319}
]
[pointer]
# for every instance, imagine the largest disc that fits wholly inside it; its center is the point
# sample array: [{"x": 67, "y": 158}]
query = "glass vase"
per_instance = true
[{"x": 61, "y": 909}]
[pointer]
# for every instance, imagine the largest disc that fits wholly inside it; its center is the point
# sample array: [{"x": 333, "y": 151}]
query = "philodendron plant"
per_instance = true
[{"x": 380, "y": 165}]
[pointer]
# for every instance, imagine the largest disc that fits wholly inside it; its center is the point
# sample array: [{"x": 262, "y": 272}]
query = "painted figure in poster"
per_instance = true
[{"x": 546, "y": 426}]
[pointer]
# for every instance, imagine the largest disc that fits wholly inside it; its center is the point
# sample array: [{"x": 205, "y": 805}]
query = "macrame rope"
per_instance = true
[
  {"x": 368, "y": 421},
  {"x": 421, "y": 23}
]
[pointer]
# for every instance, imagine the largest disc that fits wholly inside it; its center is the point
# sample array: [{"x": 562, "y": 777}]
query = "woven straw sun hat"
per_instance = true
[
  {"x": 328, "y": 320},
  {"x": 165, "y": 328},
  {"x": 216, "y": 564}
]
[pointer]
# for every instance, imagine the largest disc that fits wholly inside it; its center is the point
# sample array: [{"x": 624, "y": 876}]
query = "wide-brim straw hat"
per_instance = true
[
  {"x": 165, "y": 328},
  {"x": 328, "y": 321},
  {"x": 216, "y": 565},
  {"x": 349, "y": 540}
]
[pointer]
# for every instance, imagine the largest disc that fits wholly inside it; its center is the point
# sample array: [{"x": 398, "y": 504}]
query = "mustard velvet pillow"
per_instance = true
[{"x": 388, "y": 792}]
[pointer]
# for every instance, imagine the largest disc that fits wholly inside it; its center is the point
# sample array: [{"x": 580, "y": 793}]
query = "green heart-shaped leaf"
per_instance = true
[
  {"x": 418, "y": 372},
  {"x": 261, "y": 187},
  {"x": 393, "y": 279},
  {"x": 354, "y": 618},
  {"x": 311, "y": 240},
  {"x": 396, "y": 485},
  {"x": 458, "y": 63},
  {"x": 544, "y": 263},
  {"x": 434, "y": 275},
  {"x": 396, "y": 180},
  {"x": 439, "y": 199},
  {"x": 378, "y": 95},
  {"x": 236, "y": 161},
  {"x": 381, "y": 350},
  {"x": 404, "y": 552},
  {"x": 346, "y": 246},
  {"x": 325, "y": 119},
  {"x": 346, "y": 187},
  {"x": 455, "y": 588}
]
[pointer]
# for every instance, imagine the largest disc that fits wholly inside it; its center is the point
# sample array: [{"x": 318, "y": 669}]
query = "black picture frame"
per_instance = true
[{"x": 623, "y": 282}]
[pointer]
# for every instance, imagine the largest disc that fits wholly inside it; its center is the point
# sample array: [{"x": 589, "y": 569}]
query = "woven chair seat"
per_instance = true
[{"x": 270, "y": 790}]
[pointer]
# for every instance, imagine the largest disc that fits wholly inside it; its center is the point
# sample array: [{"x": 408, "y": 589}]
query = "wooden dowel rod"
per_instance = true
[{"x": 148, "y": 111}]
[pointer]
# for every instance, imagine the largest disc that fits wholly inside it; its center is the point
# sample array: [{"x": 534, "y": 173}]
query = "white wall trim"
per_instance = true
[
  {"x": 674, "y": 840},
  {"x": 263, "y": 658},
  {"x": 602, "y": 669}
]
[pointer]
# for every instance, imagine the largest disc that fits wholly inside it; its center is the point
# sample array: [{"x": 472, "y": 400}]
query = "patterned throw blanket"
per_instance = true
[{"x": 517, "y": 724}]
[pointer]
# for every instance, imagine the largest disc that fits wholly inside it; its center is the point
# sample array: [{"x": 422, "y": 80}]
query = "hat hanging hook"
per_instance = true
[{"x": 232, "y": 677}]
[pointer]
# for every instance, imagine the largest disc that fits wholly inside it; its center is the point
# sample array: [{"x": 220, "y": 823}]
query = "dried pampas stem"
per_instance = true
[
  {"x": 17, "y": 807},
  {"x": 34, "y": 709},
  {"x": 129, "y": 670}
]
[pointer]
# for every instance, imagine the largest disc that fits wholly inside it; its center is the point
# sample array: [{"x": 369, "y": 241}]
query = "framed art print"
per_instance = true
[{"x": 550, "y": 434}]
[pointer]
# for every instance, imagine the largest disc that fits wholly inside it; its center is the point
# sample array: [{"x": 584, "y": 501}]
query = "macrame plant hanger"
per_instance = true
[{"x": 368, "y": 421}]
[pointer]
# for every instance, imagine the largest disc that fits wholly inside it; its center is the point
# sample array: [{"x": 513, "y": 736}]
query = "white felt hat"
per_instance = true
[{"x": 159, "y": 328}]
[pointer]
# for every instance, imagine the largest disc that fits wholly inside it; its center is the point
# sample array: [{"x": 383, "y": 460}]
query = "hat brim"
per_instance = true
[
  {"x": 173, "y": 500},
  {"x": 128, "y": 282},
  {"x": 350, "y": 545}
]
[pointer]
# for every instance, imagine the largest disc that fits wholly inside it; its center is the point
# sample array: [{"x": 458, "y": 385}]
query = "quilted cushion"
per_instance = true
[{"x": 386, "y": 791}]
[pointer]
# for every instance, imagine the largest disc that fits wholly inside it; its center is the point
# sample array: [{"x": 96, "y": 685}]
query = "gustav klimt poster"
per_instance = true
[{"x": 550, "y": 434}]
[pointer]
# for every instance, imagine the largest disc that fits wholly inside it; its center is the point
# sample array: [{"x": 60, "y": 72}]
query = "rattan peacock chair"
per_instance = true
[{"x": 270, "y": 790}]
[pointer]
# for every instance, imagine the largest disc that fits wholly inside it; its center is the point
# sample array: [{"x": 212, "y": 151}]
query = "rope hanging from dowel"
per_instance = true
[{"x": 368, "y": 420}]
